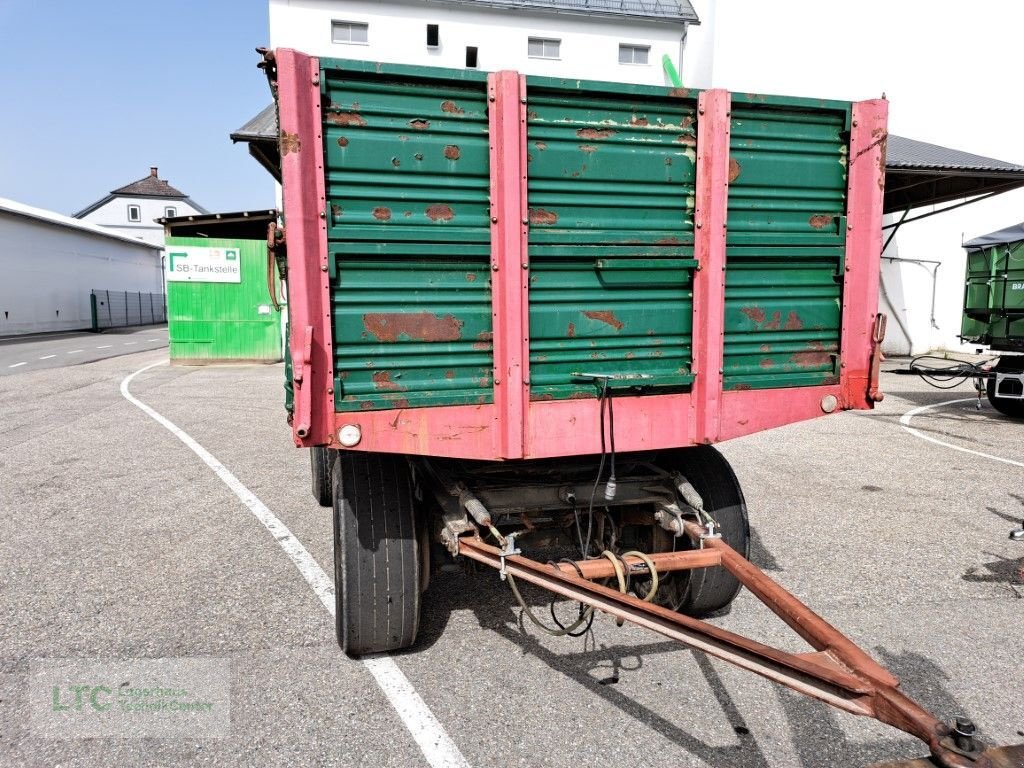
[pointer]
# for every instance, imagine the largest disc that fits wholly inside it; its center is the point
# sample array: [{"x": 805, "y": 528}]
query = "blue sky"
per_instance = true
[{"x": 96, "y": 93}]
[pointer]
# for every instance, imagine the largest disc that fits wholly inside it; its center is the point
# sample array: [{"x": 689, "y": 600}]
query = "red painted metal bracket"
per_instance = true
[
  {"x": 506, "y": 96},
  {"x": 305, "y": 213},
  {"x": 709, "y": 222},
  {"x": 866, "y": 185}
]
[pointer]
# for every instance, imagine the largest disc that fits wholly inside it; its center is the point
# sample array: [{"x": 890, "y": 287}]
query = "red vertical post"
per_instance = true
[
  {"x": 866, "y": 187},
  {"x": 305, "y": 215},
  {"x": 506, "y": 93},
  {"x": 709, "y": 222}
]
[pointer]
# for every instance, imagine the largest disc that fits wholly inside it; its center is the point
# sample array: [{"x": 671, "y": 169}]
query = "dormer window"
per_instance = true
[
  {"x": 170, "y": 212},
  {"x": 134, "y": 213}
]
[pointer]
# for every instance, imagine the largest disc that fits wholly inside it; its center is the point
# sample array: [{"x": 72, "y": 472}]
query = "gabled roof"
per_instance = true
[
  {"x": 671, "y": 11},
  {"x": 148, "y": 186},
  {"x": 57, "y": 219}
]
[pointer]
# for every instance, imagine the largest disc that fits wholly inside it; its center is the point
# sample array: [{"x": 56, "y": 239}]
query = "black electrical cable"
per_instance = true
[
  {"x": 582, "y": 606},
  {"x": 601, "y": 395},
  {"x": 944, "y": 373}
]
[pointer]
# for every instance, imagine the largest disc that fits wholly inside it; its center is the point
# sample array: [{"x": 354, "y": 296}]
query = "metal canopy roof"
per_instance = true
[
  {"x": 671, "y": 11},
  {"x": 916, "y": 173},
  {"x": 241, "y": 225}
]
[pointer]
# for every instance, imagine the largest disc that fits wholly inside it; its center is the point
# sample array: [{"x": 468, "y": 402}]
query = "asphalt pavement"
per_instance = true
[
  {"x": 20, "y": 354},
  {"x": 118, "y": 543}
]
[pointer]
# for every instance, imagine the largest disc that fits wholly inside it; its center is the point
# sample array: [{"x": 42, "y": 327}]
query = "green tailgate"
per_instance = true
[
  {"x": 611, "y": 172},
  {"x": 407, "y": 173},
  {"x": 786, "y": 241}
]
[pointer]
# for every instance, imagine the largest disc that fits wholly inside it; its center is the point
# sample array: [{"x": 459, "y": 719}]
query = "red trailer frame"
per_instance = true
[{"x": 515, "y": 427}]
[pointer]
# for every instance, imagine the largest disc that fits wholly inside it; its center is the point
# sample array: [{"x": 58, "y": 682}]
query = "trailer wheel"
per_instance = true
[
  {"x": 707, "y": 591},
  {"x": 376, "y": 553},
  {"x": 1006, "y": 406},
  {"x": 320, "y": 463}
]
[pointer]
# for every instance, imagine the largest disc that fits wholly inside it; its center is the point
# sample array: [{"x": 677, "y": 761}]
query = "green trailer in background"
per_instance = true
[
  {"x": 219, "y": 306},
  {"x": 994, "y": 312}
]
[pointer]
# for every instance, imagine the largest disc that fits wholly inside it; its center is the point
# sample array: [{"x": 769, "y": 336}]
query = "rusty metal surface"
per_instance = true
[
  {"x": 663, "y": 563},
  {"x": 611, "y": 174},
  {"x": 407, "y": 170},
  {"x": 838, "y": 673},
  {"x": 787, "y": 204}
]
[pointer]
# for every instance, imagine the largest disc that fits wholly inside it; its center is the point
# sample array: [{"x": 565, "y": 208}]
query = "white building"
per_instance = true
[
  {"x": 132, "y": 210},
  {"x": 51, "y": 263},
  {"x": 617, "y": 40}
]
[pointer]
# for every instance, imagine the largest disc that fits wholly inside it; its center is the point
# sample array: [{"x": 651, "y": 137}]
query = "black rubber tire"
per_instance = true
[
  {"x": 320, "y": 464},
  {"x": 708, "y": 591},
  {"x": 376, "y": 553},
  {"x": 1006, "y": 406}
]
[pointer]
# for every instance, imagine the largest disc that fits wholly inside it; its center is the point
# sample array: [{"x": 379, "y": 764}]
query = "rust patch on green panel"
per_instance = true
[
  {"x": 415, "y": 326},
  {"x": 639, "y": 122},
  {"x": 541, "y": 216},
  {"x": 793, "y": 322},
  {"x": 470, "y": 277},
  {"x": 336, "y": 211},
  {"x": 290, "y": 143},
  {"x": 382, "y": 380},
  {"x": 595, "y": 134},
  {"x": 687, "y": 140},
  {"x": 679, "y": 93},
  {"x": 588, "y": 148},
  {"x": 396, "y": 162},
  {"x": 541, "y": 145},
  {"x": 820, "y": 221},
  {"x": 382, "y": 214},
  {"x": 756, "y": 314},
  {"x": 607, "y": 317},
  {"x": 346, "y": 119},
  {"x": 816, "y": 356},
  {"x": 451, "y": 152},
  {"x": 440, "y": 212},
  {"x": 342, "y": 141},
  {"x": 452, "y": 108},
  {"x": 419, "y": 124},
  {"x": 449, "y": 375},
  {"x": 572, "y": 330},
  {"x": 734, "y": 170}
]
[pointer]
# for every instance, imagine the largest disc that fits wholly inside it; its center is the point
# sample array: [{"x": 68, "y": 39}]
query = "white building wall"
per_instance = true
[
  {"x": 113, "y": 215},
  {"x": 945, "y": 74},
  {"x": 397, "y": 34},
  {"x": 49, "y": 270}
]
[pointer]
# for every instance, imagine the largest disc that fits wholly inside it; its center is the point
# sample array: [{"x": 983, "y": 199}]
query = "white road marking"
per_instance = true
[
  {"x": 153, "y": 339},
  {"x": 105, "y": 346},
  {"x": 129, "y": 343},
  {"x": 46, "y": 357},
  {"x": 431, "y": 737},
  {"x": 74, "y": 351},
  {"x": 909, "y": 415},
  {"x": 15, "y": 365}
]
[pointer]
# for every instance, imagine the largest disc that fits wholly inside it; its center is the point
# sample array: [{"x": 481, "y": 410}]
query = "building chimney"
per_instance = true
[{"x": 152, "y": 171}]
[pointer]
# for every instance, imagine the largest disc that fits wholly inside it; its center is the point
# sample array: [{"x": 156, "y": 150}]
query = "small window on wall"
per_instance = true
[
  {"x": 471, "y": 58},
  {"x": 350, "y": 32},
  {"x": 433, "y": 36},
  {"x": 134, "y": 213},
  {"x": 543, "y": 48},
  {"x": 170, "y": 212},
  {"x": 634, "y": 54}
]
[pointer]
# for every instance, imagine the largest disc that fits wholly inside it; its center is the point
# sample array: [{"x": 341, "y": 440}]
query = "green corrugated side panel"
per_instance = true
[
  {"x": 408, "y": 182},
  {"x": 994, "y": 295},
  {"x": 221, "y": 321},
  {"x": 786, "y": 242},
  {"x": 611, "y": 198}
]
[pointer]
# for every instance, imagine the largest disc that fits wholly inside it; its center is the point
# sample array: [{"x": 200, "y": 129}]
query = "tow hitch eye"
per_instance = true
[{"x": 961, "y": 739}]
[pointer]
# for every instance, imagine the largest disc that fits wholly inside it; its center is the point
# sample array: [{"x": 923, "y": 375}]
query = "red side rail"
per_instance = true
[{"x": 305, "y": 218}]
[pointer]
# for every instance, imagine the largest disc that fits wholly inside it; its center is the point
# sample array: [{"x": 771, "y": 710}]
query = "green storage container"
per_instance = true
[
  {"x": 994, "y": 293},
  {"x": 211, "y": 322}
]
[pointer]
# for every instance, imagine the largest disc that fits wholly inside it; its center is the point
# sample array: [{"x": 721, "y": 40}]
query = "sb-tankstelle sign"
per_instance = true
[{"x": 202, "y": 265}]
